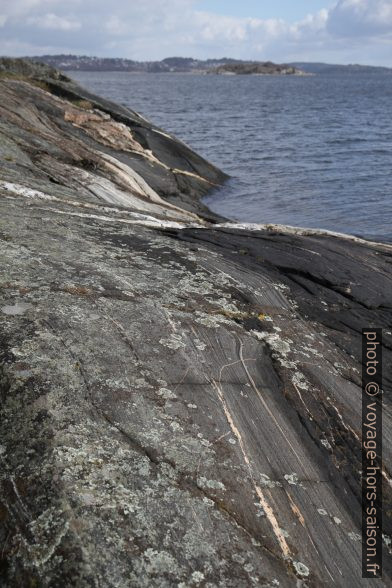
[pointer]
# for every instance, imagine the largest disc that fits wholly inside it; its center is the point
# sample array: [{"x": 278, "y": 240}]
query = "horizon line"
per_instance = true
[{"x": 194, "y": 59}]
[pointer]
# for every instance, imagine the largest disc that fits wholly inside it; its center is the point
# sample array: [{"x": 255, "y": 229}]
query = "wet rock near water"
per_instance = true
[{"x": 180, "y": 397}]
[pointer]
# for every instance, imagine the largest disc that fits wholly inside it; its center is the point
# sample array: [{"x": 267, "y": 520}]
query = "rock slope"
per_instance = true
[{"x": 180, "y": 398}]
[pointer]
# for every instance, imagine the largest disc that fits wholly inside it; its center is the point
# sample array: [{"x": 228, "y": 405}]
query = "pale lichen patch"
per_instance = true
[
  {"x": 292, "y": 479},
  {"x": 300, "y": 381},
  {"x": 354, "y": 536},
  {"x": 18, "y": 308},
  {"x": 211, "y": 484},
  {"x": 301, "y": 569},
  {"x": 167, "y": 394},
  {"x": 326, "y": 444},
  {"x": 266, "y": 482},
  {"x": 173, "y": 342}
]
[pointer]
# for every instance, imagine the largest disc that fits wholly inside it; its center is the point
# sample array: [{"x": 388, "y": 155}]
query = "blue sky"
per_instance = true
[{"x": 334, "y": 31}]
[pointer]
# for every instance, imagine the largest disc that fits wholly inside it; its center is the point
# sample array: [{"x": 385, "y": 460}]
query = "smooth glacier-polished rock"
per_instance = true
[{"x": 180, "y": 400}]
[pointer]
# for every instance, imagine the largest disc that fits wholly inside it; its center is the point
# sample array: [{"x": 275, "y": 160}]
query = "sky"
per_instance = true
[{"x": 334, "y": 31}]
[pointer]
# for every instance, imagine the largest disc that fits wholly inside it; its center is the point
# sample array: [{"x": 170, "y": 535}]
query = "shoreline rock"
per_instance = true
[
  {"x": 170, "y": 168},
  {"x": 180, "y": 397}
]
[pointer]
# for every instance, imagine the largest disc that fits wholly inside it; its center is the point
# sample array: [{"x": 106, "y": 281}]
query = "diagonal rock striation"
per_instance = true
[{"x": 180, "y": 396}]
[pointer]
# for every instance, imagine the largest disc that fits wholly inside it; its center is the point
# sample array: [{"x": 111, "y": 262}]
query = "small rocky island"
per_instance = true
[
  {"x": 179, "y": 395},
  {"x": 257, "y": 68}
]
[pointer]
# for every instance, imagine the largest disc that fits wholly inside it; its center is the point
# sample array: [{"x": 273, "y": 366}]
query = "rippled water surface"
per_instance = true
[{"x": 313, "y": 151}]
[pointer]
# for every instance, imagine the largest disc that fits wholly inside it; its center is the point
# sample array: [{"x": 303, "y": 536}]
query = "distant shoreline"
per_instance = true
[
  {"x": 196, "y": 66},
  {"x": 191, "y": 73}
]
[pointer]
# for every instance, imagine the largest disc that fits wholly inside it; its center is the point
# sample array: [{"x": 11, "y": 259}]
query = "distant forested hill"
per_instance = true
[
  {"x": 328, "y": 68},
  {"x": 188, "y": 64}
]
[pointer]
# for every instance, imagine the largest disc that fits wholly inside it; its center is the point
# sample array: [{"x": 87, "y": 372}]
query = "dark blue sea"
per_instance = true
[{"x": 305, "y": 151}]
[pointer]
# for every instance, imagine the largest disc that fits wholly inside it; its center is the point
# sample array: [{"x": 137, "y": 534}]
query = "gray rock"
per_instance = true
[
  {"x": 17, "y": 308},
  {"x": 177, "y": 406}
]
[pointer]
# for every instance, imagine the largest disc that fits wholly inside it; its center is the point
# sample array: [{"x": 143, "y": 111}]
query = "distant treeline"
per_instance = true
[{"x": 188, "y": 64}]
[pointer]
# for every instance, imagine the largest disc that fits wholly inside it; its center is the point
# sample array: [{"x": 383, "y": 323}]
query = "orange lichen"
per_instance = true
[{"x": 77, "y": 290}]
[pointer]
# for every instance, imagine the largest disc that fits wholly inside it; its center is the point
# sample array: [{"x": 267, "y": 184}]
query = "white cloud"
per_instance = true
[
  {"x": 14, "y": 9},
  {"x": 361, "y": 18},
  {"x": 350, "y": 30},
  {"x": 52, "y": 21}
]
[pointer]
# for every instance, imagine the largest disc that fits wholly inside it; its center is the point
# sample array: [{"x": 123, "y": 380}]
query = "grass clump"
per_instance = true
[{"x": 84, "y": 104}]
